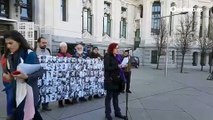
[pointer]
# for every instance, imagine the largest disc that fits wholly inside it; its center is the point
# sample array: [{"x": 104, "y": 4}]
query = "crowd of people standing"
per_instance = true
[{"x": 18, "y": 51}]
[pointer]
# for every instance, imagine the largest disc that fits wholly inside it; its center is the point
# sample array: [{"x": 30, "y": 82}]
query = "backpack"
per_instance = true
[{"x": 48, "y": 50}]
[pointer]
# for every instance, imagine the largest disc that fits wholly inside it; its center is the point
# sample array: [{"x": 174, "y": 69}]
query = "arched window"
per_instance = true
[
  {"x": 26, "y": 10},
  {"x": 87, "y": 20},
  {"x": 4, "y": 8},
  {"x": 123, "y": 23},
  {"x": 107, "y": 20},
  {"x": 156, "y": 14},
  {"x": 210, "y": 27},
  {"x": 201, "y": 24}
]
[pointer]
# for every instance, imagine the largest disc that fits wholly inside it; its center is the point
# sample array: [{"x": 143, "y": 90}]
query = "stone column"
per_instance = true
[
  {"x": 98, "y": 14},
  {"x": 116, "y": 18},
  {"x": 146, "y": 21},
  {"x": 48, "y": 12},
  {"x": 39, "y": 11},
  {"x": 197, "y": 21},
  {"x": 14, "y": 12},
  {"x": 211, "y": 22},
  {"x": 130, "y": 28},
  {"x": 205, "y": 20}
]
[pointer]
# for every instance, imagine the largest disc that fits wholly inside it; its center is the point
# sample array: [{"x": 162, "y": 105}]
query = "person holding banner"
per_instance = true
[
  {"x": 113, "y": 79},
  {"x": 80, "y": 53},
  {"x": 63, "y": 53},
  {"x": 41, "y": 49},
  {"x": 18, "y": 51},
  {"x": 95, "y": 54}
]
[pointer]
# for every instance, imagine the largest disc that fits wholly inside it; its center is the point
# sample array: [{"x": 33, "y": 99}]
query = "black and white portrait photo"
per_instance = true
[{"x": 66, "y": 78}]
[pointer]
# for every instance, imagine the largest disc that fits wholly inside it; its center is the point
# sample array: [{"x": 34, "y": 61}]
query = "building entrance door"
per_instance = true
[{"x": 154, "y": 57}]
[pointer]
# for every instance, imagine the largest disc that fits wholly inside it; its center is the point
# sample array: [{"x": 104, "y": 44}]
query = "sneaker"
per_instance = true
[
  {"x": 90, "y": 98},
  {"x": 102, "y": 95},
  {"x": 74, "y": 100},
  {"x": 46, "y": 109},
  {"x": 68, "y": 102},
  {"x": 82, "y": 99},
  {"x": 108, "y": 117},
  {"x": 97, "y": 96},
  {"x": 60, "y": 104},
  {"x": 121, "y": 116},
  {"x": 128, "y": 91}
]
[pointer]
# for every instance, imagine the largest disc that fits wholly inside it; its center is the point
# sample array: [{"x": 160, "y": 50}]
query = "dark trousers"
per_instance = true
[
  {"x": 10, "y": 101},
  {"x": 19, "y": 113},
  {"x": 61, "y": 101},
  {"x": 45, "y": 105},
  {"x": 128, "y": 77},
  {"x": 114, "y": 96}
]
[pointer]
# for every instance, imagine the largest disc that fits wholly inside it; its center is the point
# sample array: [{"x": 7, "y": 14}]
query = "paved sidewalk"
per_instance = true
[{"x": 187, "y": 96}]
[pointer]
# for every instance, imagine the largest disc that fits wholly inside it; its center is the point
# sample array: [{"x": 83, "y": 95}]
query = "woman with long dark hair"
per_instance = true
[
  {"x": 113, "y": 79},
  {"x": 18, "y": 51}
]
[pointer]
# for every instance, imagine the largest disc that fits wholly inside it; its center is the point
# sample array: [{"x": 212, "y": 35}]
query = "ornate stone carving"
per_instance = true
[
  {"x": 87, "y": 4},
  {"x": 87, "y": 35},
  {"x": 106, "y": 38},
  {"x": 107, "y": 9},
  {"x": 124, "y": 14}
]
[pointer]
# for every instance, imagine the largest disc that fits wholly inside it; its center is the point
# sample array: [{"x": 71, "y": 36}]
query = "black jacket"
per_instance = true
[
  {"x": 29, "y": 58},
  {"x": 111, "y": 73}
]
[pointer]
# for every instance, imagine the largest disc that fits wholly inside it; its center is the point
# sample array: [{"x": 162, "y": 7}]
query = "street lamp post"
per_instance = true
[{"x": 170, "y": 34}]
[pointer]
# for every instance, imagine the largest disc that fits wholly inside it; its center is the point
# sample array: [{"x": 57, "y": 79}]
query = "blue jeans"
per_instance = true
[{"x": 10, "y": 101}]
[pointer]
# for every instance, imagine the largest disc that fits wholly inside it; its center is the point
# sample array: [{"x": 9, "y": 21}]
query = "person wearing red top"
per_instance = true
[
  {"x": 63, "y": 53},
  {"x": 63, "y": 50},
  {"x": 9, "y": 89}
]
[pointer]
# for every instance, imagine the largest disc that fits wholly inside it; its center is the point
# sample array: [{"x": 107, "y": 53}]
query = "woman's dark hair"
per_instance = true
[
  {"x": 16, "y": 36},
  {"x": 94, "y": 48},
  {"x": 111, "y": 47}
]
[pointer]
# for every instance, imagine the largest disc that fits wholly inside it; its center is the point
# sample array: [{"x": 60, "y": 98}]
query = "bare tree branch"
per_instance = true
[
  {"x": 161, "y": 39},
  {"x": 205, "y": 44},
  {"x": 185, "y": 36}
]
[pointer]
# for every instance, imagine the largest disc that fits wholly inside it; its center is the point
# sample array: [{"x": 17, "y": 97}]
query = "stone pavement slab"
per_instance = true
[
  {"x": 168, "y": 115},
  {"x": 187, "y": 96}
]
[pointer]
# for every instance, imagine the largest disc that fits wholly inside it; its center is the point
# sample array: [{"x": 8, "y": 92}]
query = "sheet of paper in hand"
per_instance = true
[
  {"x": 125, "y": 61},
  {"x": 24, "y": 91},
  {"x": 21, "y": 87}
]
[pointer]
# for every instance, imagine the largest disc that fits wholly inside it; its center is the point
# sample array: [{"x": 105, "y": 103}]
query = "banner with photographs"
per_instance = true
[{"x": 70, "y": 77}]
